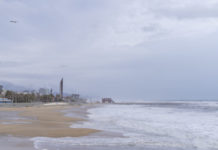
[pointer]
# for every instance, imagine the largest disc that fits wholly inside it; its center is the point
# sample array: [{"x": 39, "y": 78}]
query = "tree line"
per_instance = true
[{"x": 29, "y": 98}]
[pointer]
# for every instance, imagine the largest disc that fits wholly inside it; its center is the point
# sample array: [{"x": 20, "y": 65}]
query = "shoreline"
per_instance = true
[{"x": 44, "y": 121}]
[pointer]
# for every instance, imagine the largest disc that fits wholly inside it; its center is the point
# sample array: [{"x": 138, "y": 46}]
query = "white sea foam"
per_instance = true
[
  {"x": 186, "y": 126},
  {"x": 55, "y": 103}
]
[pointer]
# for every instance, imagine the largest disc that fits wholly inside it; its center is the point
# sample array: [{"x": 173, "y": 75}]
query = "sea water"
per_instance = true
[{"x": 152, "y": 126}]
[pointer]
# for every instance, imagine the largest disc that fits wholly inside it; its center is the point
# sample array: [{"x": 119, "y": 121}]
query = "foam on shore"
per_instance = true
[{"x": 55, "y": 104}]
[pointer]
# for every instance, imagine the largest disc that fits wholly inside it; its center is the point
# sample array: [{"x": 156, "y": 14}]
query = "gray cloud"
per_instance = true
[{"x": 188, "y": 9}]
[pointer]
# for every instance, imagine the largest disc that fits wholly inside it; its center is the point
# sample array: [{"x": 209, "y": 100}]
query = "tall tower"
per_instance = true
[
  {"x": 1, "y": 89},
  {"x": 61, "y": 88}
]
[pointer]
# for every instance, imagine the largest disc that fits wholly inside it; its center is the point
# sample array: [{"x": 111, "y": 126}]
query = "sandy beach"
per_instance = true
[
  {"x": 42, "y": 121},
  {"x": 151, "y": 126}
]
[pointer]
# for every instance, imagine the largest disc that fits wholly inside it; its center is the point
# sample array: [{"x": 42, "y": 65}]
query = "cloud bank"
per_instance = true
[{"x": 126, "y": 49}]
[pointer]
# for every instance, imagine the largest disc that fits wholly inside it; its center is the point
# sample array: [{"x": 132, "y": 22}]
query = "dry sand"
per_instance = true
[{"x": 43, "y": 121}]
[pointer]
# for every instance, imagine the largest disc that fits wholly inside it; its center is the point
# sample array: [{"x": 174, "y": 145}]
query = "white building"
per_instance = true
[
  {"x": 4, "y": 92},
  {"x": 5, "y": 101}
]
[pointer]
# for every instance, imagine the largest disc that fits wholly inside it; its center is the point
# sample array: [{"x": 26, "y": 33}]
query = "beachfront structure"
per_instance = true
[
  {"x": 107, "y": 100},
  {"x": 2, "y": 91},
  {"x": 61, "y": 88},
  {"x": 26, "y": 92},
  {"x": 5, "y": 101},
  {"x": 75, "y": 96}
]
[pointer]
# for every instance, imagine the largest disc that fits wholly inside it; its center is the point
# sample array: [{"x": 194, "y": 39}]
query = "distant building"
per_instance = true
[
  {"x": 26, "y": 92},
  {"x": 4, "y": 92},
  {"x": 107, "y": 100},
  {"x": 5, "y": 101},
  {"x": 75, "y": 96},
  {"x": 44, "y": 91},
  {"x": 34, "y": 92}
]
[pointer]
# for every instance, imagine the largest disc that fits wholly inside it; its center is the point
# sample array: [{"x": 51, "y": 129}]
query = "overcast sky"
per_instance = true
[{"x": 126, "y": 49}]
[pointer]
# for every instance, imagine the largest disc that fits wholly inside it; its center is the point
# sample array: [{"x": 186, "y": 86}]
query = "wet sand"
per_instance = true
[{"x": 42, "y": 121}]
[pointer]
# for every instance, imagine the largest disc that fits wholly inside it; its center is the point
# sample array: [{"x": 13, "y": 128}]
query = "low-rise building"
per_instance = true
[
  {"x": 26, "y": 92},
  {"x": 4, "y": 92},
  {"x": 75, "y": 96},
  {"x": 107, "y": 100},
  {"x": 5, "y": 101}
]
